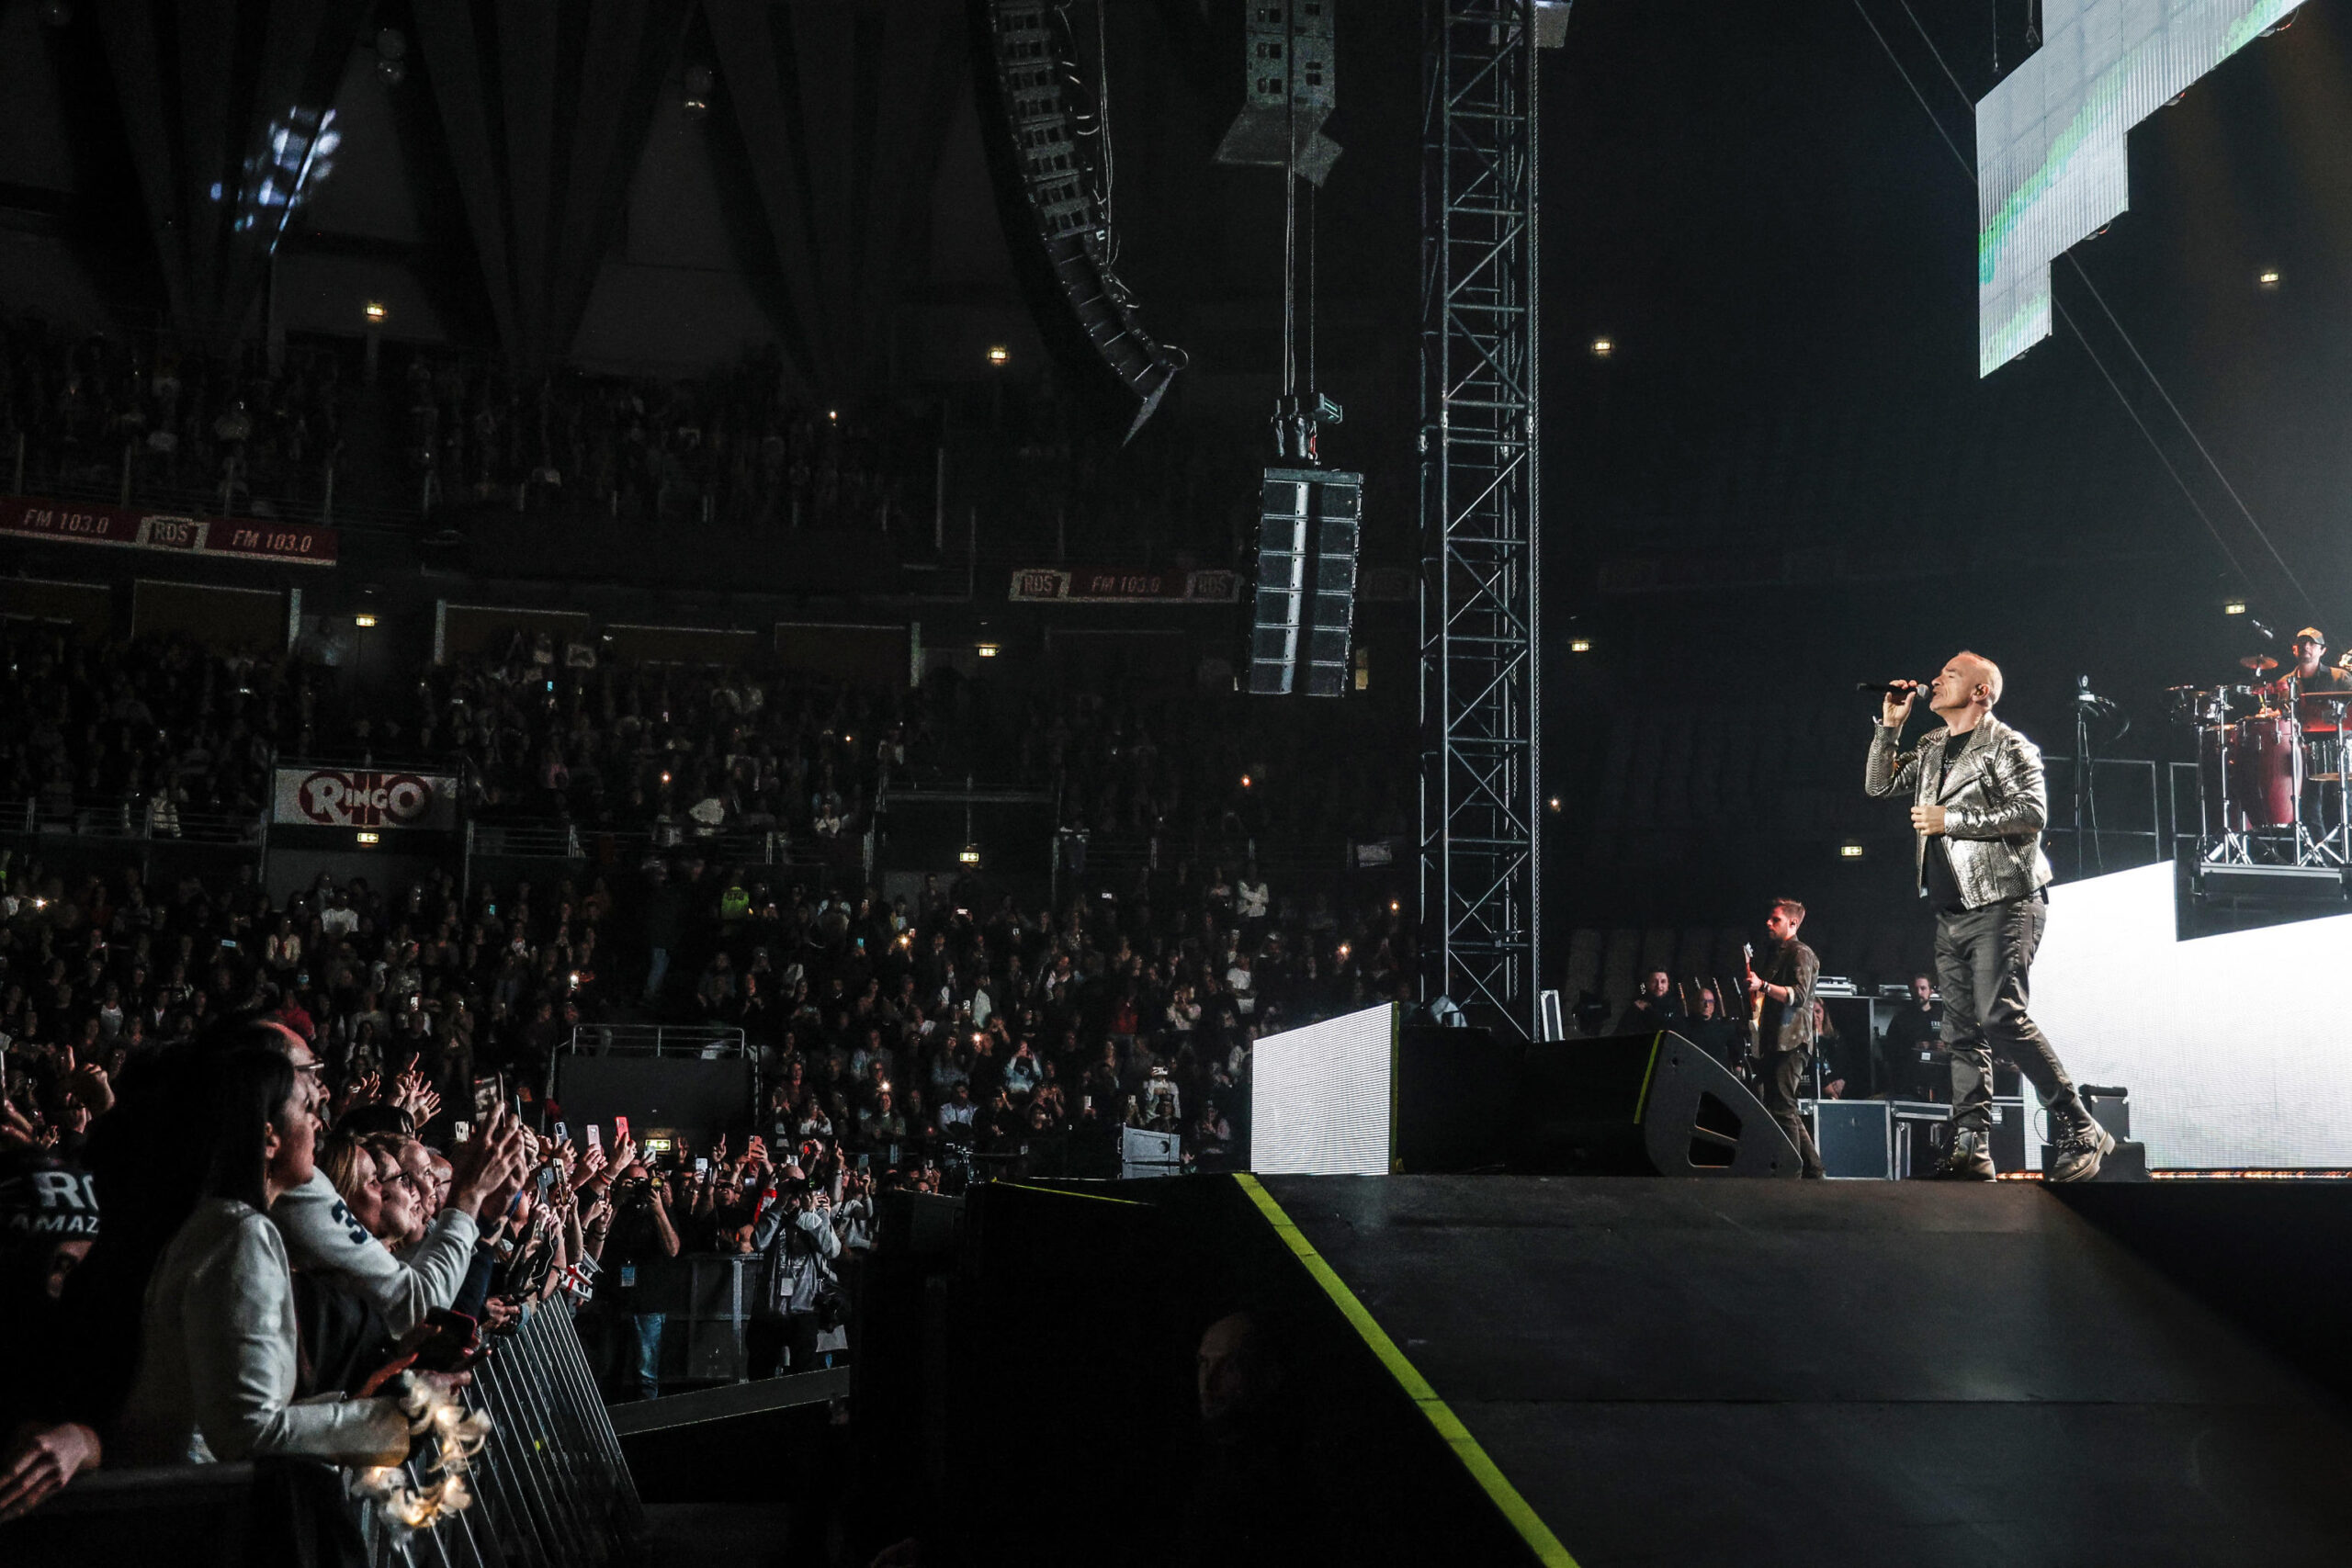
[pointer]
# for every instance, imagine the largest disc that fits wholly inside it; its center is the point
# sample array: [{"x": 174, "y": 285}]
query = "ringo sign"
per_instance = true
[{"x": 329, "y": 798}]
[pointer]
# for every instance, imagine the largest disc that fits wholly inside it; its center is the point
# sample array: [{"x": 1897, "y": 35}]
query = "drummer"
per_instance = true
[{"x": 2305, "y": 673}]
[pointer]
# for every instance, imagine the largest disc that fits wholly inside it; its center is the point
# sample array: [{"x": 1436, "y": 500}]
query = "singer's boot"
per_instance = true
[
  {"x": 1967, "y": 1159},
  {"x": 2076, "y": 1156}
]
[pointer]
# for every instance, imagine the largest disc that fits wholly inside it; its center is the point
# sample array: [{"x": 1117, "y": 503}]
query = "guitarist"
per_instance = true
[{"x": 1780, "y": 1019}]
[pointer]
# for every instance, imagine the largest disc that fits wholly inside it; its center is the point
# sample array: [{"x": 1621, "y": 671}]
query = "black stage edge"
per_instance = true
[{"x": 1642, "y": 1370}]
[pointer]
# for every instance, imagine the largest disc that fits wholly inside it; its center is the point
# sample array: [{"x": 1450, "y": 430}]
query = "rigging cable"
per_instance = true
[
  {"x": 2146, "y": 369},
  {"x": 2064, "y": 314}
]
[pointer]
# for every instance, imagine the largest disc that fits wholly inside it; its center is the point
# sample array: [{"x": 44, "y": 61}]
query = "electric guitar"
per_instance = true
[{"x": 1755, "y": 1003}]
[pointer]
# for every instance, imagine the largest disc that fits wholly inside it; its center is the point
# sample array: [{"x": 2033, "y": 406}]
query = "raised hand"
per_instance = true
[
  {"x": 487, "y": 1164},
  {"x": 87, "y": 1086},
  {"x": 15, "y": 1127},
  {"x": 38, "y": 1465}
]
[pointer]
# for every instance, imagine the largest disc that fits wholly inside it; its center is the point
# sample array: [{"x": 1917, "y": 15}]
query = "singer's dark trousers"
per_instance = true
[
  {"x": 1780, "y": 1083},
  {"x": 1982, "y": 959}
]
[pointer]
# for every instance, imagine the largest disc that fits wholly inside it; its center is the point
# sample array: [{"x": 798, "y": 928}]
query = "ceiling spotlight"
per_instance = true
[
  {"x": 1602, "y": 347},
  {"x": 1000, "y": 355},
  {"x": 374, "y": 311},
  {"x": 1554, "y": 803},
  {"x": 2267, "y": 279}
]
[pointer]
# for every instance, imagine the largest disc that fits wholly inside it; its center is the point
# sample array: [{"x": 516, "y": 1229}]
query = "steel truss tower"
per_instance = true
[{"x": 1481, "y": 792}]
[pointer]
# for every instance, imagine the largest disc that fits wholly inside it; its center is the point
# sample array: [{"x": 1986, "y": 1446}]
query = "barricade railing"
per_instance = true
[
  {"x": 555, "y": 838},
  {"x": 134, "y": 817},
  {"x": 703, "y": 1040},
  {"x": 551, "y": 1485}
]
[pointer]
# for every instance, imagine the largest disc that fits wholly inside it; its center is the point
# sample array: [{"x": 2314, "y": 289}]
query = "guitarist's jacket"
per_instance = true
[
  {"x": 1790, "y": 1027},
  {"x": 1994, "y": 807}
]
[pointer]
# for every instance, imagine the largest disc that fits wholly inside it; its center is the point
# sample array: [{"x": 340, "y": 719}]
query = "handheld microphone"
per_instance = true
[{"x": 1889, "y": 689}]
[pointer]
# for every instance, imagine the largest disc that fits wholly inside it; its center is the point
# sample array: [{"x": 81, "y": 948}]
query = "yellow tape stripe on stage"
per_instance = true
[
  {"x": 1483, "y": 1470},
  {"x": 1074, "y": 1192}
]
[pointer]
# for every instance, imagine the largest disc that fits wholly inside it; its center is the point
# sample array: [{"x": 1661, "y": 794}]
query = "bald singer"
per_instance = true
[{"x": 1978, "y": 807}]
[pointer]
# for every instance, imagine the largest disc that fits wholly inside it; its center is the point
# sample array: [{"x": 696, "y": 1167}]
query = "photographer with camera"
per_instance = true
[
  {"x": 636, "y": 1274},
  {"x": 800, "y": 1296}
]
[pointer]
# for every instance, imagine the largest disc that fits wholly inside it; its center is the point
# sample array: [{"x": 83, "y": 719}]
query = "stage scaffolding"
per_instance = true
[{"x": 1481, "y": 790}]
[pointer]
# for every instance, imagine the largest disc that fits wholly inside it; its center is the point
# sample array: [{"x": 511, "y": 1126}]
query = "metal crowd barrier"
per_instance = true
[{"x": 550, "y": 1486}]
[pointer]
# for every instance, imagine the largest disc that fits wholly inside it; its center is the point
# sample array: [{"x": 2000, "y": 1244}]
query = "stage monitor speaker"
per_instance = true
[{"x": 1642, "y": 1104}]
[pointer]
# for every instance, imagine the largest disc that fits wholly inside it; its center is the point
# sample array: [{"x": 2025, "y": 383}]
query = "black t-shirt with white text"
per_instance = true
[{"x": 1943, "y": 888}]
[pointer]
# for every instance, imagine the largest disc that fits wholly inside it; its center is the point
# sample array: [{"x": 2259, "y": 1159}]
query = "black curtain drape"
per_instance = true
[
  {"x": 843, "y": 108},
  {"x": 546, "y": 104},
  {"x": 218, "y": 98}
]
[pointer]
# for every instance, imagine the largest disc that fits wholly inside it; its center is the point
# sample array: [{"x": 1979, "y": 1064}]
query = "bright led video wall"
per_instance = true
[
  {"x": 2237, "y": 1049},
  {"x": 1320, "y": 1096},
  {"x": 2051, "y": 166}
]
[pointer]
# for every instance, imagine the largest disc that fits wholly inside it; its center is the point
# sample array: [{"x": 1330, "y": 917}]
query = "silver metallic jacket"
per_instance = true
[{"x": 1995, "y": 803}]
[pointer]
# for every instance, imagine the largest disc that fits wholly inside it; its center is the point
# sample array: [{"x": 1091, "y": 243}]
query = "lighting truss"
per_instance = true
[{"x": 1480, "y": 788}]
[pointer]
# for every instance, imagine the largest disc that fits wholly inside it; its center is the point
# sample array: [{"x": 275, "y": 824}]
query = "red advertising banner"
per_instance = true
[
  {"x": 1129, "y": 585},
  {"x": 242, "y": 539}
]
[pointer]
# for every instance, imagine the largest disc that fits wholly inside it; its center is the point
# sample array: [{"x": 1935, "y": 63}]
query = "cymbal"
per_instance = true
[{"x": 2258, "y": 661}]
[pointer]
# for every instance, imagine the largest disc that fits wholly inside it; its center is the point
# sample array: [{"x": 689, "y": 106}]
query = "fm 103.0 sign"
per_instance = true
[{"x": 331, "y": 797}]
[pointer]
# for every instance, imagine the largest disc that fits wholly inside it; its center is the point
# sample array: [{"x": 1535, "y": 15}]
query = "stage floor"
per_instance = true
[{"x": 1679, "y": 1372}]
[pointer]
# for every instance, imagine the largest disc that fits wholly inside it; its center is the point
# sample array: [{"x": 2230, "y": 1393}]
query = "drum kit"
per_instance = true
[{"x": 2256, "y": 769}]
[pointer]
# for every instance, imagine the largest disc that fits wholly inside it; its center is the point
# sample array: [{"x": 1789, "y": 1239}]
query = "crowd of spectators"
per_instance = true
[
  {"x": 260, "y": 1165},
  {"x": 737, "y": 446},
  {"x": 731, "y": 446},
  {"x": 152, "y": 733},
  {"x": 543, "y": 732},
  {"x": 191, "y": 426},
  {"x": 149, "y": 729}
]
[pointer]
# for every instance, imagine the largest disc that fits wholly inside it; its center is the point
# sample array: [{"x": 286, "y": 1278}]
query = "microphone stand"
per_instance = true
[{"x": 2082, "y": 763}]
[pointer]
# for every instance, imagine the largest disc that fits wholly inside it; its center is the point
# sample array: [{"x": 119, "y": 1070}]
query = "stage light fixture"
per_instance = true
[
  {"x": 998, "y": 355},
  {"x": 2234, "y": 607},
  {"x": 1849, "y": 850},
  {"x": 969, "y": 854},
  {"x": 1554, "y": 803},
  {"x": 986, "y": 650},
  {"x": 374, "y": 311},
  {"x": 1602, "y": 347},
  {"x": 363, "y": 620},
  {"x": 1580, "y": 645},
  {"x": 2268, "y": 277}
]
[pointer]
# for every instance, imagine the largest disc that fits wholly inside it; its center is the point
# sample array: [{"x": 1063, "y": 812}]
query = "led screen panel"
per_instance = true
[
  {"x": 1320, "y": 1096},
  {"x": 2237, "y": 1048},
  {"x": 2050, "y": 167}
]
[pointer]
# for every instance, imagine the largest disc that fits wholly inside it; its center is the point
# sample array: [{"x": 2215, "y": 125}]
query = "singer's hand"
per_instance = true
[
  {"x": 1928, "y": 820},
  {"x": 1892, "y": 710}
]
